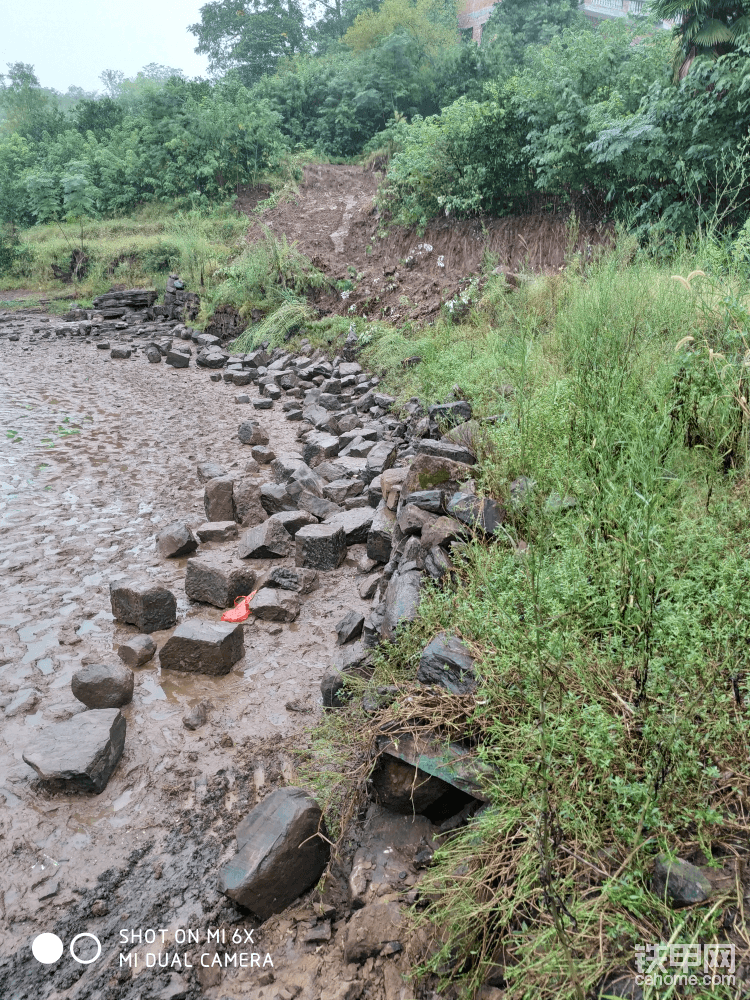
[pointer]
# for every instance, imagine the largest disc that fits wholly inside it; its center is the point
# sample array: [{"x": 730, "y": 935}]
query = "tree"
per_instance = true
[
  {"x": 250, "y": 37},
  {"x": 21, "y": 95},
  {"x": 515, "y": 24},
  {"x": 433, "y": 24},
  {"x": 705, "y": 28}
]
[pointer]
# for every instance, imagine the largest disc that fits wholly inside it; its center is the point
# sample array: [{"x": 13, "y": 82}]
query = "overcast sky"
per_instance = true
[{"x": 70, "y": 42}]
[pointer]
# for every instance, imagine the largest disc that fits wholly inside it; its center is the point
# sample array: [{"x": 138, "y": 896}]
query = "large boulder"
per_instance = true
[
  {"x": 218, "y": 499},
  {"x": 177, "y": 539},
  {"x": 380, "y": 535},
  {"x": 269, "y": 540},
  {"x": 82, "y": 752},
  {"x": 272, "y": 604},
  {"x": 447, "y": 661},
  {"x": 100, "y": 685},
  {"x": 401, "y": 602},
  {"x": 483, "y": 514},
  {"x": 280, "y": 854},
  {"x": 320, "y": 546},
  {"x": 356, "y": 524},
  {"x": 248, "y": 506},
  {"x": 203, "y": 647},
  {"x": 218, "y": 580},
  {"x": 428, "y": 472},
  {"x": 148, "y": 606}
]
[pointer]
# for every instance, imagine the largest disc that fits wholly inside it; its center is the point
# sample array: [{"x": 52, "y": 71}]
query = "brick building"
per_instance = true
[{"x": 474, "y": 14}]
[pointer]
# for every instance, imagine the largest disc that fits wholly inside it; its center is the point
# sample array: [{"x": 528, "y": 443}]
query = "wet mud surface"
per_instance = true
[{"x": 98, "y": 454}]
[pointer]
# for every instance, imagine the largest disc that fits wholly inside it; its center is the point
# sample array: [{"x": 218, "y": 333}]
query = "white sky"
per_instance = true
[{"x": 70, "y": 42}]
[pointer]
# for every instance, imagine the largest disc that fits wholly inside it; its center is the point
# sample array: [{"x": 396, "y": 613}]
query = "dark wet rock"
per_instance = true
[
  {"x": 380, "y": 535},
  {"x": 368, "y": 586},
  {"x": 317, "y": 506},
  {"x": 681, "y": 883},
  {"x": 276, "y": 497},
  {"x": 211, "y": 359},
  {"x": 250, "y": 432},
  {"x": 356, "y": 523},
  {"x": 137, "y": 650},
  {"x": 103, "y": 345},
  {"x": 218, "y": 499},
  {"x": 197, "y": 716},
  {"x": 293, "y": 520},
  {"x": 380, "y": 458},
  {"x": 203, "y": 647},
  {"x": 248, "y": 503},
  {"x": 148, "y": 606},
  {"x": 176, "y": 540},
  {"x": 447, "y": 661},
  {"x": 352, "y": 660},
  {"x": 429, "y": 473},
  {"x": 100, "y": 685},
  {"x": 210, "y": 470},
  {"x": 242, "y": 399},
  {"x": 342, "y": 489},
  {"x": 446, "y": 450},
  {"x": 389, "y": 845},
  {"x": 427, "y": 500},
  {"x": 280, "y": 854},
  {"x": 413, "y": 554},
  {"x": 370, "y": 929},
  {"x": 320, "y": 546},
  {"x": 442, "y": 531},
  {"x": 82, "y": 752},
  {"x": 437, "y": 563},
  {"x": 272, "y": 604},
  {"x": 480, "y": 513},
  {"x": 153, "y": 355},
  {"x": 269, "y": 540},
  {"x": 217, "y": 531},
  {"x": 318, "y": 447},
  {"x": 446, "y": 415},
  {"x": 412, "y": 519},
  {"x": 401, "y": 602},
  {"x": 262, "y": 404},
  {"x": 120, "y": 353},
  {"x": 177, "y": 359},
  {"x": 403, "y": 788},
  {"x": 218, "y": 580},
  {"x": 350, "y": 627},
  {"x": 291, "y": 578}
]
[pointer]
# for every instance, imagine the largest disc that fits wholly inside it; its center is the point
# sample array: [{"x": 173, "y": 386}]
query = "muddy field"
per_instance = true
[
  {"x": 407, "y": 274},
  {"x": 97, "y": 455}
]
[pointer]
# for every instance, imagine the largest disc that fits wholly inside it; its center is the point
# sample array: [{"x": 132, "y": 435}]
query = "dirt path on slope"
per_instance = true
[{"x": 403, "y": 274}]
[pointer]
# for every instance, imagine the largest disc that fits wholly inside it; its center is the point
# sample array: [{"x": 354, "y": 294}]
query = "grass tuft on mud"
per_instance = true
[{"x": 610, "y": 620}]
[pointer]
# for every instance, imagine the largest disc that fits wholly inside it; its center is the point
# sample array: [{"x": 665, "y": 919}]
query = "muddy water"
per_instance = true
[{"x": 96, "y": 456}]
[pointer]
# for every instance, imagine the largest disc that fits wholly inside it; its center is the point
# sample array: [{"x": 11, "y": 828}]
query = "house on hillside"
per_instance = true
[{"x": 474, "y": 14}]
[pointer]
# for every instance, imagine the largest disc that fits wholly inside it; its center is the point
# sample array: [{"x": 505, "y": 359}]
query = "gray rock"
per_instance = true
[
  {"x": 290, "y": 578},
  {"x": 368, "y": 586},
  {"x": 380, "y": 535},
  {"x": 100, "y": 685},
  {"x": 276, "y": 498},
  {"x": 320, "y": 546},
  {"x": 482, "y": 514},
  {"x": 427, "y": 500},
  {"x": 217, "y": 531},
  {"x": 177, "y": 359},
  {"x": 412, "y": 519},
  {"x": 176, "y": 540},
  {"x": 401, "y": 602},
  {"x": 218, "y": 580},
  {"x": 137, "y": 650},
  {"x": 342, "y": 489},
  {"x": 272, "y": 604},
  {"x": 317, "y": 506},
  {"x": 209, "y": 470},
  {"x": 350, "y": 627},
  {"x": 269, "y": 540},
  {"x": 23, "y": 701},
  {"x": 380, "y": 458},
  {"x": 446, "y": 415},
  {"x": 263, "y": 455},
  {"x": 356, "y": 523},
  {"x": 280, "y": 854},
  {"x": 197, "y": 716},
  {"x": 148, "y": 606},
  {"x": 250, "y": 432},
  {"x": 370, "y": 929},
  {"x": 679, "y": 882},
  {"x": 120, "y": 352},
  {"x": 218, "y": 499},
  {"x": 442, "y": 531},
  {"x": 447, "y": 661},
  {"x": 318, "y": 447},
  {"x": 262, "y": 404},
  {"x": 203, "y": 647},
  {"x": 153, "y": 355},
  {"x": 293, "y": 520},
  {"x": 83, "y": 751},
  {"x": 248, "y": 503},
  {"x": 437, "y": 563}
]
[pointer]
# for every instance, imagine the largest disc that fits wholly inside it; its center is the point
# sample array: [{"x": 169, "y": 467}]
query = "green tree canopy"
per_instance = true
[{"x": 705, "y": 27}]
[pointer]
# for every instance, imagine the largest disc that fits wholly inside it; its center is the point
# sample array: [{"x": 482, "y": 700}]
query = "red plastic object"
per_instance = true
[{"x": 241, "y": 610}]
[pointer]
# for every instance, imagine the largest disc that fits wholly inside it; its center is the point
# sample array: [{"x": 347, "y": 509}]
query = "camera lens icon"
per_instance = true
[{"x": 48, "y": 948}]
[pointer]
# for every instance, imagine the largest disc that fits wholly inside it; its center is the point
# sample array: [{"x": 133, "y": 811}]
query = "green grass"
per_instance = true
[{"x": 614, "y": 654}]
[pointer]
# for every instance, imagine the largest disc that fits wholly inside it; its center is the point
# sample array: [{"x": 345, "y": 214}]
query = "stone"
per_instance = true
[
  {"x": 242, "y": 398},
  {"x": 482, "y": 514},
  {"x": 269, "y": 540},
  {"x": 23, "y": 701},
  {"x": 280, "y": 854},
  {"x": 276, "y": 498},
  {"x": 429, "y": 500},
  {"x": 250, "y": 432},
  {"x": 177, "y": 359},
  {"x": 248, "y": 503},
  {"x": 350, "y": 627},
  {"x": 137, "y": 650},
  {"x": 368, "y": 586},
  {"x": 275, "y": 605},
  {"x": 317, "y": 506},
  {"x": 209, "y": 470},
  {"x": 176, "y": 540},
  {"x": 217, "y": 531},
  {"x": 679, "y": 882},
  {"x": 370, "y": 929},
  {"x": 291, "y": 578},
  {"x": 342, "y": 489},
  {"x": 403, "y": 788},
  {"x": 293, "y": 520},
  {"x": 82, "y": 751},
  {"x": 318, "y": 447},
  {"x": 380, "y": 535},
  {"x": 120, "y": 352},
  {"x": 153, "y": 355},
  {"x": 447, "y": 661},
  {"x": 320, "y": 546},
  {"x": 197, "y": 716},
  {"x": 392, "y": 478},
  {"x": 356, "y": 523},
  {"x": 218, "y": 580},
  {"x": 148, "y": 606},
  {"x": 380, "y": 458},
  {"x": 262, "y": 404},
  {"x": 353, "y": 660},
  {"x": 100, "y": 685},
  {"x": 218, "y": 499},
  {"x": 437, "y": 563},
  {"x": 442, "y": 531},
  {"x": 263, "y": 455},
  {"x": 211, "y": 359},
  {"x": 203, "y": 647},
  {"x": 446, "y": 415},
  {"x": 412, "y": 520},
  {"x": 401, "y": 602},
  {"x": 427, "y": 472}
]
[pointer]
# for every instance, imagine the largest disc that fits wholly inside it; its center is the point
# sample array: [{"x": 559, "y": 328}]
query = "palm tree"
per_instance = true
[{"x": 705, "y": 27}]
